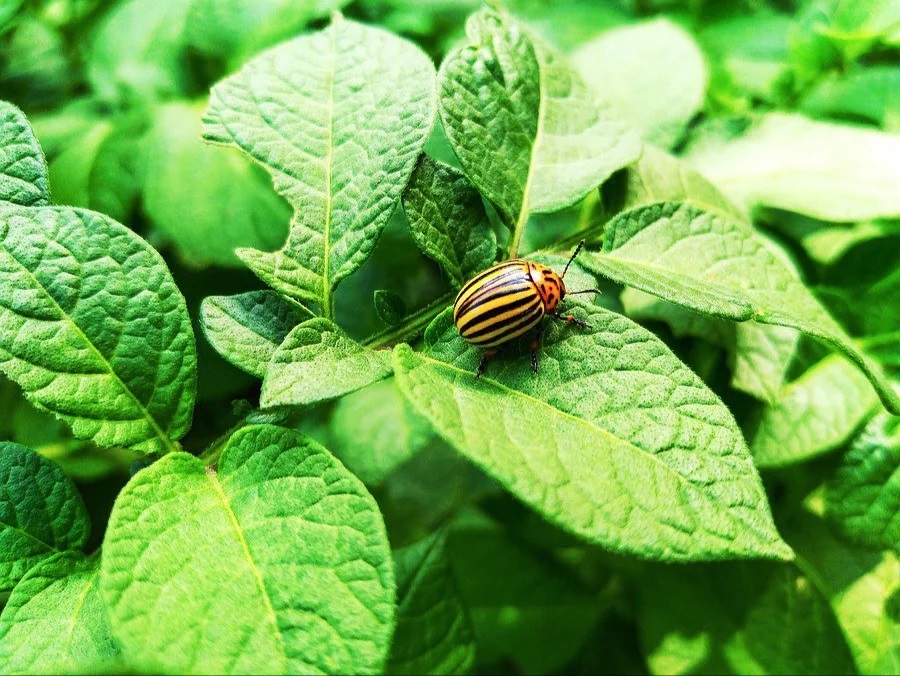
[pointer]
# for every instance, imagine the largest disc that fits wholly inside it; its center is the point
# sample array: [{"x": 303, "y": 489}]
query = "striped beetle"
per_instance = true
[{"x": 508, "y": 300}]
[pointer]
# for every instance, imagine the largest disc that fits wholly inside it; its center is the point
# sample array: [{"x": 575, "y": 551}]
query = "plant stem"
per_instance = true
[{"x": 412, "y": 325}]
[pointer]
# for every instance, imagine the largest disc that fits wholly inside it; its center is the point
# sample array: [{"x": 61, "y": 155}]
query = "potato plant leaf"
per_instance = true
[
  {"x": 528, "y": 132},
  {"x": 652, "y": 74},
  {"x": 719, "y": 266},
  {"x": 23, "y": 172},
  {"x": 434, "y": 633},
  {"x": 389, "y": 306},
  {"x": 615, "y": 440},
  {"x": 55, "y": 621},
  {"x": 246, "y": 329},
  {"x": 41, "y": 512},
  {"x": 316, "y": 362},
  {"x": 299, "y": 109},
  {"x": 863, "y": 499},
  {"x": 448, "y": 221},
  {"x": 280, "y": 532}
]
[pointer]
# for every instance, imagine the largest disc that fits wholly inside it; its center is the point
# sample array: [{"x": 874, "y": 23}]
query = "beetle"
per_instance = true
[{"x": 508, "y": 300}]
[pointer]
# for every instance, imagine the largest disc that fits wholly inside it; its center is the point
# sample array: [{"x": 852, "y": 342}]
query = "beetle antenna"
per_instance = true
[
  {"x": 575, "y": 293},
  {"x": 577, "y": 249}
]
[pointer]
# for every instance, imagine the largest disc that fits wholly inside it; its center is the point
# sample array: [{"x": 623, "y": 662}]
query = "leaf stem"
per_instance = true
[{"x": 412, "y": 325}]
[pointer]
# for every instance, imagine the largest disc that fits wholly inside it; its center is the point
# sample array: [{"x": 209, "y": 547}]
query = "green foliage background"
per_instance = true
[{"x": 240, "y": 432}]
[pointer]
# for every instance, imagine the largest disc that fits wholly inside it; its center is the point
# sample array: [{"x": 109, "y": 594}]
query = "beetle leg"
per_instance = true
[
  {"x": 571, "y": 320},
  {"x": 535, "y": 344},
  {"x": 488, "y": 354}
]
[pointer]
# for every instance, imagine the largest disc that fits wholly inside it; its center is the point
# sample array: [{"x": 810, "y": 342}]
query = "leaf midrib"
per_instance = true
[
  {"x": 329, "y": 162},
  {"x": 64, "y": 316}
]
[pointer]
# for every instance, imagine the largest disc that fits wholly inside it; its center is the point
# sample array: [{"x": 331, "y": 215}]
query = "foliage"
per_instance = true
[{"x": 240, "y": 431}]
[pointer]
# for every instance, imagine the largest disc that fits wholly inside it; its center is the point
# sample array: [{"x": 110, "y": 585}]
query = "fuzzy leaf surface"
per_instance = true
[
  {"x": 23, "y": 172},
  {"x": 278, "y": 562},
  {"x": 863, "y": 498},
  {"x": 300, "y": 110},
  {"x": 615, "y": 440},
  {"x": 55, "y": 621},
  {"x": 247, "y": 328},
  {"x": 834, "y": 172},
  {"x": 434, "y": 632},
  {"x": 41, "y": 512},
  {"x": 447, "y": 219},
  {"x": 93, "y": 328},
  {"x": 719, "y": 266},
  {"x": 527, "y": 131},
  {"x": 652, "y": 74},
  {"x": 316, "y": 362}
]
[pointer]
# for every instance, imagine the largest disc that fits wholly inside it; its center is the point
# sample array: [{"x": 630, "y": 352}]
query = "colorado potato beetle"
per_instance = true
[{"x": 509, "y": 299}]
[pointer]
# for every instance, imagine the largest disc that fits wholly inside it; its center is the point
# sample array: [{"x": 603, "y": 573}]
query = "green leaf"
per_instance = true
[
  {"x": 300, "y": 109},
  {"x": 55, "y": 621},
  {"x": 316, "y": 362},
  {"x": 277, "y": 562},
  {"x": 863, "y": 498},
  {"x": 41, "y": 512},
  {"x": 829, "y": 171},
  {"x": 448, "y": 221},
  {"x": 208, "y": 203},
  {"x": 615, "y": 440},
  {"x": 814, "y": 414},
  {"x": 527, "y": 131},
  {"x": 742, "y": 618},
  {"x": 247, "y": 328},
  {"x": 871, "y": 93},
  {"x": 719, "y": 266},
  {"x": 434, "y": 633},
  {"x": 23, "y": 172},
  {"x": 652, "y": 74},
  {"x": 93, "y": 328},
  {"x": 390, "y": 306},
  {"x": 375, "y": 431}
]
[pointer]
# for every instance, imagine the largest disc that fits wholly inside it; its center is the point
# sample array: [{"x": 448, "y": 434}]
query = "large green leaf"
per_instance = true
[
  {"x": 41, "y": 512},
  {"x": 830, "y": 171},
  {"x": 448, "y": 221},
  {"x": 23, "y": 172},
  {"x": 276, "y": 562},
  {"x": 652, "y": 74},
  {"x": 93, "y": 328},
  {"x": 55, "y": 621},
  {"x": 863, "y": 498},
  {"x": 434, "y": 633},
  {"x": 301, "y": 110},
  {"x": 614, "y": 440},
  {"x": 527, "y": 131},
  {"x": 208, "y": 203},
  {"x": 317, "y": 361},
  {"x": 813, "y": 414},
  {"x": 718, "y": 265},
  {"x": 247, "y": 328}
]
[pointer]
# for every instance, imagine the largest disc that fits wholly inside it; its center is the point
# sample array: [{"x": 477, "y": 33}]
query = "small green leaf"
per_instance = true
[
  {"x": 93, "y": 328},
  {"x": 390, "y": 306},
  {"x": 299, "y": 109},
  {"x": 434, "y": 633},
  {"x": 872, "y": 93},
  {"x": 863, "y": 498},
  {"x": 652, "y": 74},
  {"x": 527, "y": 131},
  {"x": 615, "y": 440},
  {"x": 448, "y": 221},
  {"x": 208, "y": 203},
  {"x": 719, "y": 266},
  {"x": 316, "y": 362},
  {"x": 246, "y": 329},
  {"x": 41, "y": 512},
  {"x": 375, "y": 431},
  {"x": 55, "y": 621},
  {"x": 277, "y": 562},
  {"x": 23, "y": 172},
  {"x": 814, "y": 414},
  {"x": 830, "y": 171}
]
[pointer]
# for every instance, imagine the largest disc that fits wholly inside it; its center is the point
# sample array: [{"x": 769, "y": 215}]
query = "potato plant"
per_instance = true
[{"x": 241, "y": 432}]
